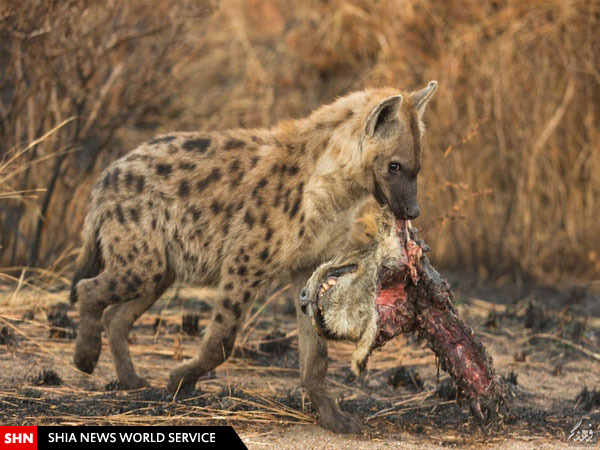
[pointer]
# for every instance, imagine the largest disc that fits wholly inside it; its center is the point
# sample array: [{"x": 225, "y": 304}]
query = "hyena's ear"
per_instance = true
[
  {"x": 421, "y": 98},
  {"x": 386, "y": 110}
]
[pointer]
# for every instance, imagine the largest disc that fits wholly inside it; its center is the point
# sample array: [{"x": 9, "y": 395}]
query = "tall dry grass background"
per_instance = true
[{"x": 511, "y": 177}]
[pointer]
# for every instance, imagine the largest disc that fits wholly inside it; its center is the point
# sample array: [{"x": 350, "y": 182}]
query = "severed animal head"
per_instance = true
[{"x": 340, "y": 296}]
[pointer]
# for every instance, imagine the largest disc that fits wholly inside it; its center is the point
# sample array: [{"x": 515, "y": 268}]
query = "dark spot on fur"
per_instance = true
[
  {"x": 249, "y": 219},
  {"x": 293, "y": 170},
  {"x": 302, "y": 218},
  {"x": 164, "y": 170},
  {"x": 161, "y": 140},
  {"x": 112, "y": 286},
  {"x": 219, "y": 317},
  {"x": 286, "y": 197},
  {"x": 242, "y": 270},
  {"x": 119, "y": 213},
  {"x": 234, "y": 166},
  {"x": 154, "y": 224},
  {"x": 259, "y": 273},
  {"x": 167, "y": 215},
  {"x": 184, "y": 188},
  {"x": 128, "y": 179},
  {"x": 228, "y": 286},
  {"x": 237, "y": 310},
  {"x": 157, "y": 277},
  {"x": 215, "y": 207},
  {"x": 261, "y": 184},
  {"x": 247, "y": 296},
  {"x": 214, "y": 176},
  {"x": 200, "y": 145},
  {"x": 115, "y": 179},
  {"x": 139, "y": 187},
  {"x": 227, "y": 303},
  {"x": 264, "y": 254},
  {"x": 135, "y": 214},
  {"x": 234, "y": 143},
  {"x": 196, "y": 213},
  {"x": 106, "y": 181},
  {"x": 269, "y": 234},
  {"x": 253, "y": 161},
  {"x": 255, "y": 283},
  {"x": 295, "y": 207},
  {"x": 301, "y": 232}
]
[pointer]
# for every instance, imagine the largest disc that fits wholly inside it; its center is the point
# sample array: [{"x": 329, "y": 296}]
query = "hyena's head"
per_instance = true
[{"x": 392, "y": 149}]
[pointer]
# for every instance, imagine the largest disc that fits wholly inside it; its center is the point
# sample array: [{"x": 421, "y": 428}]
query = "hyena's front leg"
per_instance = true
[
  {"x": 236, "y": 296},
  {"x": 313, "y": 371}
]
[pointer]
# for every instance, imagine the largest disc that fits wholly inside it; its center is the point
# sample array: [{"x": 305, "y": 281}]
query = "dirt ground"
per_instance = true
[{"x": 545, "y": 341}]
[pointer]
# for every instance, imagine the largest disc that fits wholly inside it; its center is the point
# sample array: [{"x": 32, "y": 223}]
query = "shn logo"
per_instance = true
[{"x": 18, "y": 438}]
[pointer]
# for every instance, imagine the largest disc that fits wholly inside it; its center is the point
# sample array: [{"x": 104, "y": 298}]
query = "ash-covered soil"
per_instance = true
[{"x": 544, "y": 341}]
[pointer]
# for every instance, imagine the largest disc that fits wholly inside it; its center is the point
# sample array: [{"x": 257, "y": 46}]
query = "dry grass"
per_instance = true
[{"x": 511, "y": 180}]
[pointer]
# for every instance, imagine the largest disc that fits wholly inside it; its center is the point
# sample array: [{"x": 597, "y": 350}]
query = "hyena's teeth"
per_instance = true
[
  {"x": 325, "y": 286},
  {"x": 332, "y": 281},
  {"x": 321, "y": 292}
]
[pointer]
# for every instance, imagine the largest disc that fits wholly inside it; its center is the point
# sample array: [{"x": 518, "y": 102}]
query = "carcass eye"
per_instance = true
[
  {"x": 394, "y": 167},
  {"x": 303, "y": 294}
]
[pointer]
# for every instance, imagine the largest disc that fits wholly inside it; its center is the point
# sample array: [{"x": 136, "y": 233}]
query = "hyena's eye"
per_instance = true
[{"x": 394, "y": 167}]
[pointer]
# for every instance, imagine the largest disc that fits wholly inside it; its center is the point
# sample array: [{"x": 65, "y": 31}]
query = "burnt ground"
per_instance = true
[{"x": 538, "y": 337}]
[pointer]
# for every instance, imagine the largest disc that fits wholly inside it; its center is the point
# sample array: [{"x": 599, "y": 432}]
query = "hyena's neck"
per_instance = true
[{"x": 327, "y": 147}]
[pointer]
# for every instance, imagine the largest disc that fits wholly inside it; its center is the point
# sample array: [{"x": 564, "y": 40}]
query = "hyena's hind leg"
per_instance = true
[
  {"x": 93, "y": 296},
  {"x": 118, "y": 320}
]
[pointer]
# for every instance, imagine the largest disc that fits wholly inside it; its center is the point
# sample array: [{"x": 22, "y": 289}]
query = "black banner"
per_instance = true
[{"x": 62, "y": 437}]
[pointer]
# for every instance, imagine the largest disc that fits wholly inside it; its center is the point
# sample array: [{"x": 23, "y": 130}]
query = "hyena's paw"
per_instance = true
[
  {"x": 87, "y": 352},
  {"x": 134, "y": 383},
  {"x": 340, "y": 422},
  {"x": 181, "y": 382}
]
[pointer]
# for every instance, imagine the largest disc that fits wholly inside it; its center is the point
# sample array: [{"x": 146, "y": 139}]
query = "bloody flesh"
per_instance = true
[{"x": 417, "y": 298}]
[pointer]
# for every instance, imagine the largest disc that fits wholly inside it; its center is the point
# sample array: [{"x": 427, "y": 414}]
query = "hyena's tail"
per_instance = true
[{"x": 89, "y": 262}]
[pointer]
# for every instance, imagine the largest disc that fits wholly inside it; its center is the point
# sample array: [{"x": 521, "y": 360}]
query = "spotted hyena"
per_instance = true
[{"x": 236, "y": 210}]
